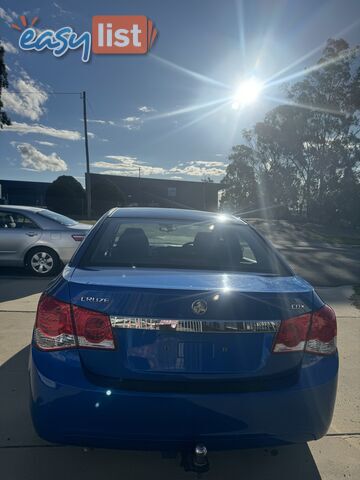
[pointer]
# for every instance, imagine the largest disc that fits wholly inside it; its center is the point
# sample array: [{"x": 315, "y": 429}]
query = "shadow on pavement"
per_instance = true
[
  {"x": 18, "y": 283},
  {"x": 325, "y": 267},
  {"x": 23, "y": 455}
]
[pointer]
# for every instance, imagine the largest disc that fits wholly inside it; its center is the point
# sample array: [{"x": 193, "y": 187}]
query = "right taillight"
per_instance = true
[
  {"x": 292, "y": 333},
  {"x": 59, "y": 326},
  {"x": 322, "y": 334},
  {"x": 313, "y": 333}
]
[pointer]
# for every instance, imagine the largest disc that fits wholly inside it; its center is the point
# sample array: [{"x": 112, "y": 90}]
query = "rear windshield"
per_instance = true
[
  {"x": 56, "y": 217},
  {"x": 181, "y": 245}
]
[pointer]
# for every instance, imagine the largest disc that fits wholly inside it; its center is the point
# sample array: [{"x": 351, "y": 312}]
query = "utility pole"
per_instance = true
[
  {"x": 140, "y": 193},
  {"x": 87, "y": 174}
]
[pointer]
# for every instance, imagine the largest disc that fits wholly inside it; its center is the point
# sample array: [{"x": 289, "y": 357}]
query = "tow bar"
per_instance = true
[{"x": 196, "y": 460}]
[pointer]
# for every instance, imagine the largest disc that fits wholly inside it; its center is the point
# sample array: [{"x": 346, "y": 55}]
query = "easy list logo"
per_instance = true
[{"x": 111, "y": 34}]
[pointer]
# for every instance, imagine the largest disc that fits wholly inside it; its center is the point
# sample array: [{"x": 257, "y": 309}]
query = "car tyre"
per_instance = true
[{"x": 42, "y": 262}]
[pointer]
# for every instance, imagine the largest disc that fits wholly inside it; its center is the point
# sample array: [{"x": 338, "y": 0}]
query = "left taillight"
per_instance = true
[
  {"x": 58, "y": 326},
  {"x": 53, "y": 326}
]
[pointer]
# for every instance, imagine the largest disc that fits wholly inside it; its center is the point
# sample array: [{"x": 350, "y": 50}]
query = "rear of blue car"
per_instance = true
[{"x": 154, "y": 338}]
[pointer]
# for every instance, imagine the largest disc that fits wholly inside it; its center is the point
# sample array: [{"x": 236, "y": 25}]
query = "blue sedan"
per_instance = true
[{"x": 171, "y": 329}]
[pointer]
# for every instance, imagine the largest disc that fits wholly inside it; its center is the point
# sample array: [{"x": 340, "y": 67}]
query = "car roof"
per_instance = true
[
  {"x": 21, "y": 207},
  {"x": 170, "y": 213}
]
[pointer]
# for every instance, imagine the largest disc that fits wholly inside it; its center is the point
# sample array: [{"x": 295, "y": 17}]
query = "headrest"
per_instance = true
[
  {"x": 205, "y": 240},
  {"x": 133, "y": 243}
]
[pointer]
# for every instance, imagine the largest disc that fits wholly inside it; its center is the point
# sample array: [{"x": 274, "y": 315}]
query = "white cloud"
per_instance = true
[
  {"x": 46, "y": 144},
  {"x": 9, "y": 47},
  {"x": 61, "y": 10},
  {"x": 7, "y": 15},
  {"x": 126, "y": 165},
  {"x": 145, "y": 171},
  {"x": 33, "y": 159},
  {"x": 129, "y": 166},
  {"x": 200, "y": 169},
  {"x": 102, "y": 122},
  {"x": 132, "y": 123},
  {"x": 92, "y": 120},
  {"x": 24, "y": 128},
  {"x": 29, "y": 102},
  {"x": 207, "y": 164},
  {"x": 145, "y": 109},
  {"x": 105, "y": 122},
  {"x": 123, "y": 159}
]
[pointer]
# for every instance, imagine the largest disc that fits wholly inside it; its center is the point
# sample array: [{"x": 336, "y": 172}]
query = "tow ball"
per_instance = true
[{"x": 196, "y": 460}]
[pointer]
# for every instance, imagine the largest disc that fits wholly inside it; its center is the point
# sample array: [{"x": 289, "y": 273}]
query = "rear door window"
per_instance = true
[{"x": 16, "y": 220}]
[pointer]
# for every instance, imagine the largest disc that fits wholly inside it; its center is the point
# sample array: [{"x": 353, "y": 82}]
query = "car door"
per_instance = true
[{"x": 17, "y": 234}]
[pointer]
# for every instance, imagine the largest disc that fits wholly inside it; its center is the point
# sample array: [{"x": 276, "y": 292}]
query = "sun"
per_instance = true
[{"x": 247, "y": 92}]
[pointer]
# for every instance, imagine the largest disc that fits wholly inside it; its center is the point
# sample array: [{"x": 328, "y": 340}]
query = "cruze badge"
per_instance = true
[
  {"x": 95, "y": 299},
  {"x": 199, "y": 307}
]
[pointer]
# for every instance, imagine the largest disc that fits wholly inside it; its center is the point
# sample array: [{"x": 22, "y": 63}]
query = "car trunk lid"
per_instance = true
[{"x": 181, "y": 325}]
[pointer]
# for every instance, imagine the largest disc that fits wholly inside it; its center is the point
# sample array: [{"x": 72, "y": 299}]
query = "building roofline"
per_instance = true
[{"x": 219, "y": 185}]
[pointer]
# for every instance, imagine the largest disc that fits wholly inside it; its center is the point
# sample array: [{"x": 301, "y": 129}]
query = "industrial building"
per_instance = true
[{"x": 108, "y": 191}]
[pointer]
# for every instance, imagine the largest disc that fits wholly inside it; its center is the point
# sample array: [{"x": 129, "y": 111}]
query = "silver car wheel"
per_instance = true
[{"x": 42, "y": 262}]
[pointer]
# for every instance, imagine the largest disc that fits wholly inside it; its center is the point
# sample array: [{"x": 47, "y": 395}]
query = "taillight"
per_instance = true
[
  {"x": 53, "y": 326},
  {"x": 56, "y": 329},
  {"x": 78, "y": 237},
  {"x": 93, "y": 329},
  {"x": 291, "y": 336},
  {"x": 322, "y": 334},
  {"x": 315, "y": 333}
]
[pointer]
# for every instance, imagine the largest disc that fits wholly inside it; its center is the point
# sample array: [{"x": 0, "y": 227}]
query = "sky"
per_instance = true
[{"x": 170, "y": 112}]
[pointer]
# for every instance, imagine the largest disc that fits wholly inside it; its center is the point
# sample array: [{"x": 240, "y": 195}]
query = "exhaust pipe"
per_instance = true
[
  {"x": 196, "y": 460},
  {"x": 200, "y": 456}
]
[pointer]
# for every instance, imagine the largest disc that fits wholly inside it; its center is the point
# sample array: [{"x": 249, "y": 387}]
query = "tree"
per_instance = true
[
  {"x": 240, "y": 185},
  {"x": 307, "y": 150},
  {"x": 4, "y": 119},
  {"x": 105, "y": 194},
  {"x": 274, "y": 172},
  {"x": 66, "y": 195}
]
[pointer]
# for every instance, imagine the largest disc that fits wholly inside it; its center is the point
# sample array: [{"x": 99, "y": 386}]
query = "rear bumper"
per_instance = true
[{"x": 67, "y": 408}]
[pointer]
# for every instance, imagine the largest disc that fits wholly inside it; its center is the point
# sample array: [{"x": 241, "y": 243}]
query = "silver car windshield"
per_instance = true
[{"x": 57, "y": 217}]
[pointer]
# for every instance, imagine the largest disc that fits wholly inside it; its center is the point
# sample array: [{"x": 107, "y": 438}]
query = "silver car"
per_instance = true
[{"x": 39, "y": 239}]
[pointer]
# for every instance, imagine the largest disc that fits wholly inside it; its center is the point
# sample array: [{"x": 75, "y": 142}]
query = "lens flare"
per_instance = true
[{"x": 247, "y": 92}]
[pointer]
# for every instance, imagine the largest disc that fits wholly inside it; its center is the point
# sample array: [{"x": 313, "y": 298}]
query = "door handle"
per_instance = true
[{"x": 31, "y": 234}]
